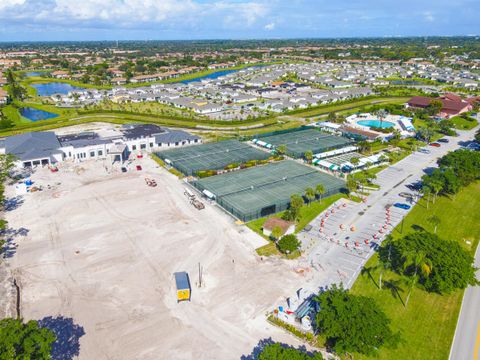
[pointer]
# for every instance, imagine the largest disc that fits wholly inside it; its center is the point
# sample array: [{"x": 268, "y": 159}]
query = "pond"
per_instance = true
[
  {"x": 52, "y": 88},
  {"x": 36, "y": 114},
  {"x": 214, "y": 75},
  {"x": 34, "y": 73}
]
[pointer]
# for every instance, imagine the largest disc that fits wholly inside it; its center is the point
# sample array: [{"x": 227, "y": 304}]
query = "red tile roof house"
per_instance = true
[
  {"x": 286, "y": 226},
  {"x": 453, "y": 105}
]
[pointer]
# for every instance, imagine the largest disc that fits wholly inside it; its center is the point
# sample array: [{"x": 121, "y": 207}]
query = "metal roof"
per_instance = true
[
  {"x": 32, "y": 145},
  {"x": 181, "y": 280},
  {"x": 173, "y": 136}
]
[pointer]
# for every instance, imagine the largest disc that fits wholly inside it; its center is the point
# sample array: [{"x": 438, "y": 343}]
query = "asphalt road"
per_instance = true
[{"x": 466, "y": 343}]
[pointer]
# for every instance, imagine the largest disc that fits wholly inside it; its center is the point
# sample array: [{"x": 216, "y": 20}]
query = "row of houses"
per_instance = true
[{"x": 46, "y": 148}]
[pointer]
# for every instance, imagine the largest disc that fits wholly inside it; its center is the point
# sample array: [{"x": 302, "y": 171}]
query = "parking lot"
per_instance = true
[
  {"x": 100, "y": 248},
  {"x": 340, "y": 251}
]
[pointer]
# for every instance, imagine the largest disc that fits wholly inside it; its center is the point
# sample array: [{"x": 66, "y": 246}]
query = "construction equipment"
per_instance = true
[
  {"x": 198, "y": 204},
  {"x": 150, "y": 182}
]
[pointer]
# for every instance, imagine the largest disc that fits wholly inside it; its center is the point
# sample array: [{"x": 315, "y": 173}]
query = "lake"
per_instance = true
[
  {"x": 52, "y": 88},
  {"x": 36, "y": 114},
  {"x": 34, "y": 73},
  {"x": 211, "y": 76}
]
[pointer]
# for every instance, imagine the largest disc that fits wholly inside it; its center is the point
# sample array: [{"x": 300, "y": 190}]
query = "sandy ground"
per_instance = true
[{"x": 102, "y": 248}]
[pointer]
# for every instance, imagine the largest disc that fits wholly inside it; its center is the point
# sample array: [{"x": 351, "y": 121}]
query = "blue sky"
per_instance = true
[{"x": 26, "y": 20}]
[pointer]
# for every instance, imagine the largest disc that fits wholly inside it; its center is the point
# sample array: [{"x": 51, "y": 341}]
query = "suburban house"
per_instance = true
[
  {"x": 287, "y": 227},
  {"x": 45, "y": 148},
  {"x": 3, "y": 97},
  {"x": 452, "y": 104}
]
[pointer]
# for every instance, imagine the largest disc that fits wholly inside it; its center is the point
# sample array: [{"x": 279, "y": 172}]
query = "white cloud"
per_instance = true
[
  {"x": 429, "y": 16},
  {"x": 10, "y": 3},
  {"x": 126, "y": 11},
  {"x": 270, "y": 26}
]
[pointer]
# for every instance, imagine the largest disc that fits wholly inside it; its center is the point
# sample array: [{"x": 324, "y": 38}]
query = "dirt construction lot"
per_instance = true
[{"x": 101, "y": 249}]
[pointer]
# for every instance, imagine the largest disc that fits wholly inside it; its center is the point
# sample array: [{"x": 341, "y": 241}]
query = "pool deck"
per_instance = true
[{"x": 354, "y": 120}]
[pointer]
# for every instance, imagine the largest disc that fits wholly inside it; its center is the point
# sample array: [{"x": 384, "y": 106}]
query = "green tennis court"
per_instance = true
[
  {"x": 257, "y": 192},
  {"x": 299, "y": 142},
  {"x": 212, "y": 156}
]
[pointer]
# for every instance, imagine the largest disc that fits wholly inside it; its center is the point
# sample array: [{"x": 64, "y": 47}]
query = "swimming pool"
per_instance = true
[{"x": 376, "y": 124}]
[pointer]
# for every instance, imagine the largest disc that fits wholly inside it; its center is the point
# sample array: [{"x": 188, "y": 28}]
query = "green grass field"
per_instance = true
[
  {"x": 463, "y": 124},
  {"x": 428, "y": 323},
  {"x": 326, "y": 109}
]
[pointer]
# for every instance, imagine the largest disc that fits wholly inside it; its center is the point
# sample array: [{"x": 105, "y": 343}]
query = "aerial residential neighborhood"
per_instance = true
[{"x": 239, "y": 180}]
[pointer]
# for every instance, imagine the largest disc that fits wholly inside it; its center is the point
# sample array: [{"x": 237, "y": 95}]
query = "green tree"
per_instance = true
[
  {"x": 278, "y": 352},
  {"x": 288, "y": 244},
  {"x": 309, "y": 156},
  {"x": 332, "y": 117},
  {"x": 281, "y": 149},
  {"x": 355, "y": 161},
  {"x": 352, "y": 185},
  {"x": 277, "y": 232},
  {"x": 353, "y": 323},
  {"x": 296, "y": 201},
  {"x": 449, "y": 267},
  {"x": 310, "y": 194},
  {"x": 20, "y": 340},
  {"x": 434, "y": 107},
  {"x": 419, "y": 262},
  {"x": 435, "y": 221},
  {"x": 320, "y": 190},
  {"x": 425, "y": 134}
]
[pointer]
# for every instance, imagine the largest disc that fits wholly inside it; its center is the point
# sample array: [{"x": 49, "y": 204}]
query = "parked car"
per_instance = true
[
  {"x": 416, "y": 186},
  {"x": 138, "y": 167},
  {"x": 435, "y": 144},
  {"x": 424, "y": 151},
  {"x": 124, "y": 169},
  {"x": 406, "y": 195},
  {"x": 443, "y": 140},
  {"x": 402, "y": 206}
]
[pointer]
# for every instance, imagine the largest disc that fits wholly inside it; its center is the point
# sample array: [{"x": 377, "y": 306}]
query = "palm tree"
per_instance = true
[
  {"x": 382, "y": 115},
  {"x": 310, "y": 194},
  {"x": 419, "y": 261},
  {"x": 281, "y": 149},
  {"x": 320, "y": 190},
  {"x": 308, "y": 156},
  {"x": 352, "y": 185},
  {"x": 427, "y": 191},
  {"x": 355, "y": 161},
  {"x": 435, "y": 221}
]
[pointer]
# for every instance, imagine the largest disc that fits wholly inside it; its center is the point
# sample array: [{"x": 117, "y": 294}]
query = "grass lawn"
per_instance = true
[
  {"x": 428, "y": 323},
  {"x": 307, "y": 214},
  {"x": 326, "y": 109},
  {"x": 463, "y": 124}
]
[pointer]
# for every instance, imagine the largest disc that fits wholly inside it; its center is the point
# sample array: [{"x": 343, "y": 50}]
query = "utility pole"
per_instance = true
[{"x": 199, "y": 275}]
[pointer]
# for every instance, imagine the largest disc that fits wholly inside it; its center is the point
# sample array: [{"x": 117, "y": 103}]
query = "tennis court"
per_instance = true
[
  {"x": 299, "y": 142},
  {"x": 257, "y": 192},
  {"x": 212, "y": 156}
]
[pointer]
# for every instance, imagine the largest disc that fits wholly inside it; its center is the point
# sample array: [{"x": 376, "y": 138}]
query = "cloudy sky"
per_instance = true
[{"x": 233, "y": 19}]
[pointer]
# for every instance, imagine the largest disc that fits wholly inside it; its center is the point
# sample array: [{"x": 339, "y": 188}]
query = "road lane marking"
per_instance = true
[{"x": 477, "y": 344}]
